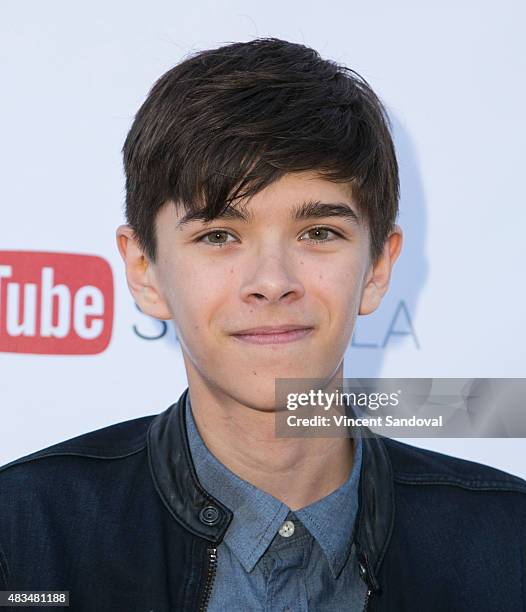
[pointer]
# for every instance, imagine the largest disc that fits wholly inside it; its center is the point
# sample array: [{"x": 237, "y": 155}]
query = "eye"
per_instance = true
[
  {"x": 320, "y": 234},
  {"x": 216, "y": 238}
]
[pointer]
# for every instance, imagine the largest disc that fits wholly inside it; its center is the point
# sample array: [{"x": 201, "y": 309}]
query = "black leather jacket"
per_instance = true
[{"x": 118, "y": 518}]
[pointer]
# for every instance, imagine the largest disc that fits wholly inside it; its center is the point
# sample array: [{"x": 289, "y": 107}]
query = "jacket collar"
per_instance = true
[{"x": 203, "y": 515}]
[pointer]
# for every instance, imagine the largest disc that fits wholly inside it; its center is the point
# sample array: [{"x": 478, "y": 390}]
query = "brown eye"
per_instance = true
[
  {"x": 216, "y": 238},
  {"x": 320, "y": 234}
]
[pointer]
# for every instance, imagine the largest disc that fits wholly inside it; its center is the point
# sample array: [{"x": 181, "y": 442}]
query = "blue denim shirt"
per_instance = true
[{"x": 276, "y": 560}]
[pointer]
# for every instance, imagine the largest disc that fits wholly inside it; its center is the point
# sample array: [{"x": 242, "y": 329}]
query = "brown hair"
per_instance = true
[{"x": 227, "y": 122}]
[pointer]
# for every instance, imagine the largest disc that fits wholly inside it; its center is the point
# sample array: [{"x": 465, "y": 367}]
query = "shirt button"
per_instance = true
[{"x": 287, "y": 529}]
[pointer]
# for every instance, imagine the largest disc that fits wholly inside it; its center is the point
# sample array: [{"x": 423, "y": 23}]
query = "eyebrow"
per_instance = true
[{"x": 311, "y": 209}]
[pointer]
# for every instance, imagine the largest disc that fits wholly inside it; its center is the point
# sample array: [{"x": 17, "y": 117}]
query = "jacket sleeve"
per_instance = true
[{"x": 3, "y": 569}]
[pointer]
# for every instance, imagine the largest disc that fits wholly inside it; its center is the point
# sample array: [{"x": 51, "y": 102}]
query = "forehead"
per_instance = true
[{"x": 296, "y": 197}]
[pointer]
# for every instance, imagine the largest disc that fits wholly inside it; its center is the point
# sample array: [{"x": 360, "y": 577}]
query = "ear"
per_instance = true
[
  {"x": 140, "y": 275},
  {"x": 377, "y": 281}
]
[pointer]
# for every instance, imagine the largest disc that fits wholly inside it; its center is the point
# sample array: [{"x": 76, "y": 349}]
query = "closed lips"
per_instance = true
[{"x": 265, "y": 330}]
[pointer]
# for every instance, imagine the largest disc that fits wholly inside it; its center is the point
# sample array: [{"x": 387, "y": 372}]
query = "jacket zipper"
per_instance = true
[
  {"x": 366, "y": 601},
  {"x": 212, "y": 568}
]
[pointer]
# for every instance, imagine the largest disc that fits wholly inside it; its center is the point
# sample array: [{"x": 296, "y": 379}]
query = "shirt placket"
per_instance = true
[{"x": 283, "y": 565}]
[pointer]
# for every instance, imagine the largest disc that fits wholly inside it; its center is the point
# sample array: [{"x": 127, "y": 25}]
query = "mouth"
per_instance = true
[{"x": 279, "y": 335}]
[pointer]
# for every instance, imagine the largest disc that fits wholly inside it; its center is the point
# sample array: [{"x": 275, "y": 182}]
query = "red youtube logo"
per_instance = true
[{"x": 55, "y": 303}]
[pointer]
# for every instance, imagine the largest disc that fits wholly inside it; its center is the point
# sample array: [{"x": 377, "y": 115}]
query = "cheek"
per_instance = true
[
  {"x": 340, "y": 285},
  {"x": 195, "y": 294}
]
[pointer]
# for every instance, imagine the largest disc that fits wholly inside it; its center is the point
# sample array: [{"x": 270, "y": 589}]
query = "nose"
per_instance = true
[{"x": 272, "y": 280}]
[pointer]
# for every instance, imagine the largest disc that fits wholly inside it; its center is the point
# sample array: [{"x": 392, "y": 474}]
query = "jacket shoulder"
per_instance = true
[
  {"x": 456, "y": 538},
  {"x": 111, "y": 442},
  {"x": 414, "y": 465},
  {"x": 45, "y": 496}
]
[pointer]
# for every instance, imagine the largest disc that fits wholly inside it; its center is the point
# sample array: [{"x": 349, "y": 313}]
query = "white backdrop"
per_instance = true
[{"x": 452, "y": 77}]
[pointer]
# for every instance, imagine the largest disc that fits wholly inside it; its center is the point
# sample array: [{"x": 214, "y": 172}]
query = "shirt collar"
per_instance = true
[
  {"x": 258, "y": 515},
  {"x": 331, "y": 519}
]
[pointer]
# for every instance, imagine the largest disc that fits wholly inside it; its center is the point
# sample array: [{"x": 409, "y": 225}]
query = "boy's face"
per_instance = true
[{"x": 219, "y": 278}]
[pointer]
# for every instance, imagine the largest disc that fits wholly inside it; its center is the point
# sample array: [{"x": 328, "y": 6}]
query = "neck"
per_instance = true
[{"x": 296, "y": 471}]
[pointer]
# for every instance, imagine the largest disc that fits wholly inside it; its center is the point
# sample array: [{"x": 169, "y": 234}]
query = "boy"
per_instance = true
[{"x": 261, "y": 198}]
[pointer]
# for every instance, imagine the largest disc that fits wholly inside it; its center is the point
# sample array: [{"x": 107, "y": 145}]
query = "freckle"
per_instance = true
[
  {"x": 231, "y": 270},
  {"x": 255, "y": 373}
]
